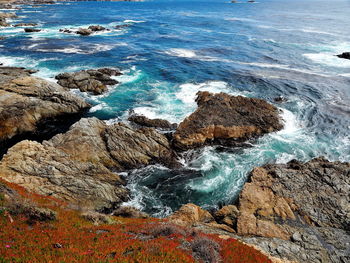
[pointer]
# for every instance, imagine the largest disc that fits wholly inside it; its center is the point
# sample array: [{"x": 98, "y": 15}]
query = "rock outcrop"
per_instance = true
[
  {"x": 155, "y": 123},
  {"x": 26, "y": 102},
  {"x": 345, "y": 55},
  {"x": 85, "y": 31},
  {"x": 94, "y": 81},
  {"x": 78, "y": 166},
  {"x": 299, "y": 211},
  {"x": 225, "y": 119}
]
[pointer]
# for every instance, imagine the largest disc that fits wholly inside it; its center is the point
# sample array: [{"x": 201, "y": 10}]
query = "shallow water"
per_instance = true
[{"x": 172, "y": 49}]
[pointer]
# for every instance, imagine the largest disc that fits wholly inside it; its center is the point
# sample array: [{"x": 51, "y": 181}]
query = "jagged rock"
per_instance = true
[
  {"x": 225, "y": 119},
  {"x": 345, "y": 55},
  {"x": 136, "y": 148},
  {"x": 77, "y": 166},
  {"x": 227, "y": 215},
  {"x": 84, "y": 31},
  {"x": 27, "y": 101},
  {"x": 31, "y": 30},
  {"x": 129, "y": 212},
  {"x": 117, "y": 147},
  {"x": 46, "y": 170},
  {"x": 155, "y": 123},
  {"x": 94, "y": 81},
  {"x": 307, "y": 204},
  {"x": 189, "y": 215}
]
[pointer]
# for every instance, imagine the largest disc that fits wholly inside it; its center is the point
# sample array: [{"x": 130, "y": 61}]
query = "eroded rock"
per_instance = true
[
  {"x": 27, "y": 101},
  {"x": 225, "y": 119},
  {"x": 189, "y": 215},
  {"x": 94, "y": 81}
]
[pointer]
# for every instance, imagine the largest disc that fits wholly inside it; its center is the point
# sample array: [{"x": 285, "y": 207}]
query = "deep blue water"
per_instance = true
[{"x": 172, "y": 49}]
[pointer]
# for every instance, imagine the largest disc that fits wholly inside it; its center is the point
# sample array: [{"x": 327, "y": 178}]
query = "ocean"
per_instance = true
[{"x": 170, "y": 50}]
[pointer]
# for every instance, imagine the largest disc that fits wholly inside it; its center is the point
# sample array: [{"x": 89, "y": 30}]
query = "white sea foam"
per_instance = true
[
  {"x": 133, "y": 21},
  {"x": 181, "y": 52},
  {"x": 328, "y": 59}
]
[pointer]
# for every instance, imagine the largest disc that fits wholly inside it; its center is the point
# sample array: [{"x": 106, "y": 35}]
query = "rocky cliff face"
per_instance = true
[
  {"x": 224, "y": 119},
  {"x": 26, "y": 102},
  {"x": 78, "y": 166}
]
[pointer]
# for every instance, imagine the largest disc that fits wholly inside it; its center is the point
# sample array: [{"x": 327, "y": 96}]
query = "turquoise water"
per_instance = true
[{"x": 172, "y": 49}]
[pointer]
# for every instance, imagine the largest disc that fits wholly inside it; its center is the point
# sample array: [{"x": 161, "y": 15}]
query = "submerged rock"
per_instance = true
[
  {"x": 224, "y": 119},
  {"x": 155, "y": 123},
  {"x": 94, "y": 81},
  {"x": 345, "y": 55},
  {"x": 26, "y": 102}
]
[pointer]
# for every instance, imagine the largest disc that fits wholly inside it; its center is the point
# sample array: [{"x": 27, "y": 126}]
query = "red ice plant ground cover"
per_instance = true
[{"x": 71, "y": 238}]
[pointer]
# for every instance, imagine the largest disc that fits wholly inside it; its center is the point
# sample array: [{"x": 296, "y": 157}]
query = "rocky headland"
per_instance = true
[{"x": 294, "y": 212}]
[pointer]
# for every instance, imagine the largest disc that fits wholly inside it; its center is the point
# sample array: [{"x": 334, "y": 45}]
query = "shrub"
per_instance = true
[
  {"x": 98, "y": 218},
  {"x": 167, "y": 230},
  {"x": 206, "y": 249}
]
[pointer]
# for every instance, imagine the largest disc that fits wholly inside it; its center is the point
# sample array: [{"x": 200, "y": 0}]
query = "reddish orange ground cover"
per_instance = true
[{"x": 70, "y": 238}]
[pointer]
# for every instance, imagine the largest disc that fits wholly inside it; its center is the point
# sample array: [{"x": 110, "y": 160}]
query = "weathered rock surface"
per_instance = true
[
  {"x": 155, "y": 123},
  {"x": 94, "y": 81},
  {"x": 345, "y": 55},
  {"x": 300, "y": 211},
  {"x": 189, "y": 215},
  {"x": 27, "y": 101},
  {"x": 225, "y": 119},
  {"x": 77, "y": 166}
]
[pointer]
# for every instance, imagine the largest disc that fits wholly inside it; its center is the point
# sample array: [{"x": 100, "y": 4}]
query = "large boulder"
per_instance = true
[
  {"x": 26, "y": 102},
  {"x": 224, "y": 119},
  {"x": 94, "y": 81},
  {"x": 190, "y": 215}
]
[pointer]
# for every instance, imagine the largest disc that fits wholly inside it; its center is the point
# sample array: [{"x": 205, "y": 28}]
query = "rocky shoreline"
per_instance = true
[{"x": 296, "y": 211}]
